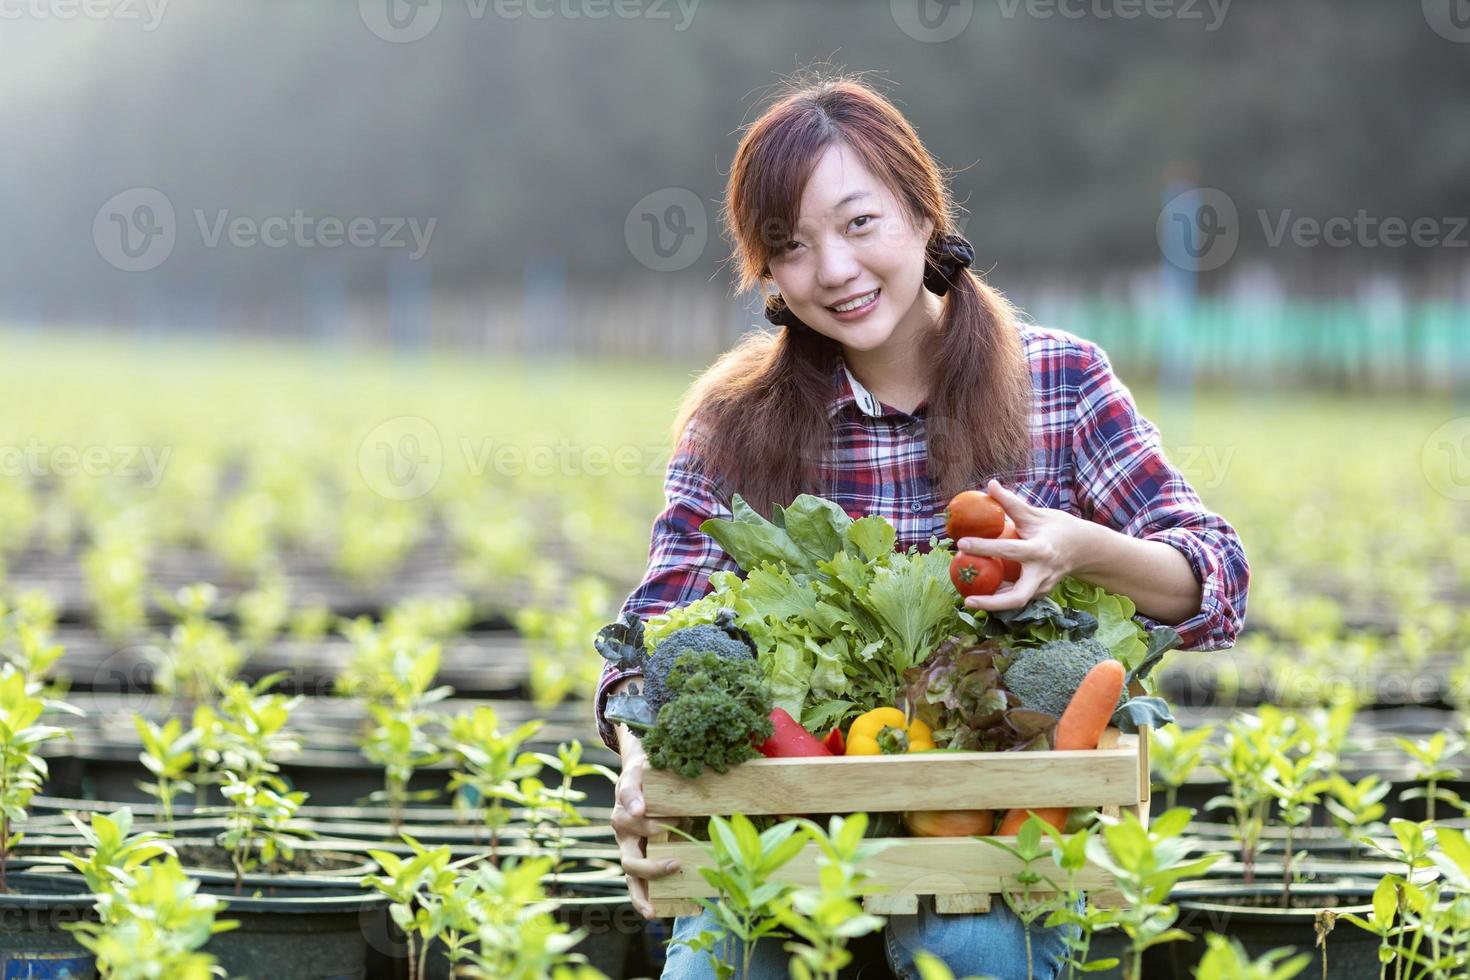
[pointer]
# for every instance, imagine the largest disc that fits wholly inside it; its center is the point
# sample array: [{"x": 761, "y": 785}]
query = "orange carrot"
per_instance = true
[{"x": 1081, "y": 727}]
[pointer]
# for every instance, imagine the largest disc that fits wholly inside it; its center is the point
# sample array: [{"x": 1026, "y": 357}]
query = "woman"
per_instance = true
[{"x": 897, "y": 379}]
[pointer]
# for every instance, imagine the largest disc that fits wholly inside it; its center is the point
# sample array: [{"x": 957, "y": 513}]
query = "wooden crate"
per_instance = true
[{"x": 960, "y": 872}]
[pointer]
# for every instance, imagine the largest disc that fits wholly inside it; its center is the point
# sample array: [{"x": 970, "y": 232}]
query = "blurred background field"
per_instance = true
[{"x": 342, "y": 339}]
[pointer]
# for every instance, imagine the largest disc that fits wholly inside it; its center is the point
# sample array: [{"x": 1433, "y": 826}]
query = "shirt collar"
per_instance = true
[{"x": 848, "y": 390}]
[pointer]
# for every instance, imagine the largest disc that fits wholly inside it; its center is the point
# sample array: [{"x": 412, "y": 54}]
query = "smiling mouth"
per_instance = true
[{"x": 857, "y": 304}]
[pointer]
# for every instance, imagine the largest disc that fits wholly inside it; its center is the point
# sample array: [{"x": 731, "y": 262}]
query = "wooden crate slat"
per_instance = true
[
  {"x": 912, "y": 866},
  {"x": 937, "y": 781}
]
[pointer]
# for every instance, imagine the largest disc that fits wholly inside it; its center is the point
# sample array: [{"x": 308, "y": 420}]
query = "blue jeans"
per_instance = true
[{"x": 988, "y": 944}]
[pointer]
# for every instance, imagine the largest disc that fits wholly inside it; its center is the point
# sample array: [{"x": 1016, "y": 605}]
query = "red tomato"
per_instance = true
[
  {"x": 973, "y": 514},
  {"x": 1012, "y": 569},
  {"x": 975, "y": 574}
]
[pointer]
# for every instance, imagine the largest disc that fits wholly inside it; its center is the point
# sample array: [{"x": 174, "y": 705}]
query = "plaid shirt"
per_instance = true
[{"x": 1094, "y": 456}]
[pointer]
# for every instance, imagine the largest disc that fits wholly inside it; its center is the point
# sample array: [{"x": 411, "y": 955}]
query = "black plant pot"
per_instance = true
[
  {"x": 33, "y": 942},
  {"x": 306, "y": 929},
  {"x": 1250, "y": 914}
]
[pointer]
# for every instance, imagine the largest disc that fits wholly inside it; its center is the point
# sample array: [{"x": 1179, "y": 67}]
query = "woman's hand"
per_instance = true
[
  {"x": 632, "y": 828},
  {"x": 1051, "y": 542}
]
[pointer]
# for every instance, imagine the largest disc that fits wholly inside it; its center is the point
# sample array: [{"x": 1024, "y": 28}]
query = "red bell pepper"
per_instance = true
[
  {"x": 790, "y": 740},
  {"x": 834, "y": 741}
]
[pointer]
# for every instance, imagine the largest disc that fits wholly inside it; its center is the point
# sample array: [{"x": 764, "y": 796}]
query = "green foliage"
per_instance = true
[
  {"x": 1146, "y": 863},
  {"x": 488, "y": 764},
  {"x": 168, "y": 752},
  {"x": 200, "y": 659},
  {"x": 825, "y": 918},
  {"x": 556, "y": 636},
  {"x": 22, "y": 769},
  {"x": 1226, "y": 959},
  {"x": 154, "y": 924},
  {"x": 1174, "y": 754},
  {"x": 743, "y": 863},
  {"x": 114, "y": 854}
]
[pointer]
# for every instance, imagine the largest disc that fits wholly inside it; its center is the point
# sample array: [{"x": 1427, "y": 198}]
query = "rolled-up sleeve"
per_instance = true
[
  {"x": 1124, "y": 480},
  {"x": 681, "y": 558}
]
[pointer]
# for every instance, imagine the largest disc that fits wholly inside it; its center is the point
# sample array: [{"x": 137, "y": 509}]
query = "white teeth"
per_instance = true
[{"x": 860, "y": 301}]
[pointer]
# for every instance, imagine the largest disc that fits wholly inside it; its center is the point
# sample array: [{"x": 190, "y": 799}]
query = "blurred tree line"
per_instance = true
[{"x": 534, "y": 136}]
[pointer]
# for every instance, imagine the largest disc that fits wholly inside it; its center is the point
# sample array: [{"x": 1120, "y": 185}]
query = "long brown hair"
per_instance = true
[{"x": 761, "y": 410}]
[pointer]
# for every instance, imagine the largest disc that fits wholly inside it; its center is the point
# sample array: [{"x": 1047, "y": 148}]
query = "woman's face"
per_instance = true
[{"x": 853, "y": 239}]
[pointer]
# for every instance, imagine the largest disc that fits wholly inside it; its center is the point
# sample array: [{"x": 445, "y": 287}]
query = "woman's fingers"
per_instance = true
[
  {"x": 1014, "y": 596},
  {"x": 1012, "y": 503},
  {"x": 632, "y": 827},
  {"x": 1016, "y": 549}
]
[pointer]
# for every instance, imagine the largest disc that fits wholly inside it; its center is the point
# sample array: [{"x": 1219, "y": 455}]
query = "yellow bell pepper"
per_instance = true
[{"x": 885, "y": 731}]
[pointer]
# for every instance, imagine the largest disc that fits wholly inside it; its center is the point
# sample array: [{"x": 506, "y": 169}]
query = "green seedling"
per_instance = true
[
  {"x": 1244, "y": 759},
  {"x": 200, "y": 660},
  {"x": 1297, "y": 788},
  {"x": 407, "y": 882},
  {"x": 517, "y": 936},
  {"x": 556, "y": 639},
  {"x": 825, "y": 918},
  {"x": 1174, "y": 755},
  {"x": 1146, "y": 863},
  {"x": 168, "y": 752},
  {"x": 742, "y": 865},
  {"x": 558, "y": 805},
  {"x": 114, "y": 853},
  {"x": 263, "y": 611},
  {"x": 488, "y": 765},
  {"x": 1357, "y": 808},
  {"x": 1226, "y": 959},
  {"x": 1069, "y": 851},
  {"x": 398, "y": 739},
  {"x": 1032, "y": 846},
  {"x": 154, "y": 924},
  {"x": 22, "y": 769},
  {"x": 1431, "y": 756}
]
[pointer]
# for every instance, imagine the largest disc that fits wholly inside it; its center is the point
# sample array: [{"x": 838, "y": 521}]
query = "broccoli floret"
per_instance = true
[
  {"x": 722, "y": 637},
  {"x": 718, "y": 710},
  {"x": 1046, "y": 677}
]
